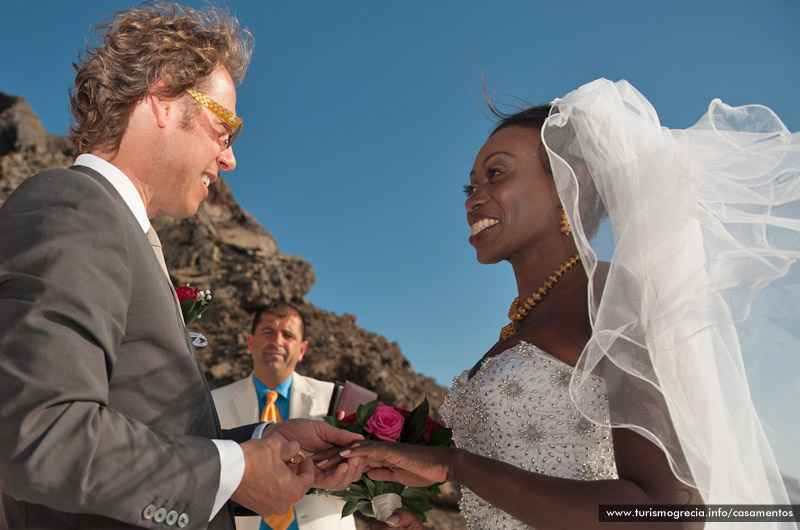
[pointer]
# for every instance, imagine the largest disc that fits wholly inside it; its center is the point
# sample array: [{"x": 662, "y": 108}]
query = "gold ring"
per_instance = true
[{"x": 299, "y": 458}]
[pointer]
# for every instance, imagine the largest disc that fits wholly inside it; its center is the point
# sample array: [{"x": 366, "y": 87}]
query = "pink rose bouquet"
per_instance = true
[{"x": 393, "y": 424}]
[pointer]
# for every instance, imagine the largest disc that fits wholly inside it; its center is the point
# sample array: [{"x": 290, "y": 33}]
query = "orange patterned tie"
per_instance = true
[{"x": 270, "y": 413}]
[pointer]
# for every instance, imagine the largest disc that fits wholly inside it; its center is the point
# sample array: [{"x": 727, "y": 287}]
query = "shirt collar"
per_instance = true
[
  {"x": 282, "y": 389},
  {"x": 121, "y": 183}
]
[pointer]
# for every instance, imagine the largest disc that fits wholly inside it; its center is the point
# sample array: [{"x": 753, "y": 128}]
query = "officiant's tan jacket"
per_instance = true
[{"x": 237, "y": 404}]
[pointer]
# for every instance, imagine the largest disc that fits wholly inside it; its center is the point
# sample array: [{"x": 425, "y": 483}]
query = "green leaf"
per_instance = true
[
  {"x": 356, "y": 428},
  {"x": 349, "y": 507},
  {"x": 417, "y": 505},
  {"x": 187, "y": 308},
  {"x": 365, "y": 507},
  {"x": 417, "y": 500},
  {"x": 366, "y": 411},
  {"x": 338, "y": 493},
  {"x": 441, "y": 437},
  {"x": 360, "y": 488},
  {"x": 339, "y": 424},
  {"x": 346, "y": 495},
  {"x": 434, "y": 488},
  {"x": 370, "y": 486},
  {"x": 187, "y": 304},
  {"x": 414, "y": 425},
  {"x": 388, "y": 487},
  {"x": 415, "y": 493}
]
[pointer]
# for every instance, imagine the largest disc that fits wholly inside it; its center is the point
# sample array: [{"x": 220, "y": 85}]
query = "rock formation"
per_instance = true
[{"x": 224, "y": 248}]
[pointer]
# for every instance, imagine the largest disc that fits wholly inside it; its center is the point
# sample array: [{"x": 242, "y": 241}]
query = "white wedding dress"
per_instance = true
[{"x": 517, "y": 409}]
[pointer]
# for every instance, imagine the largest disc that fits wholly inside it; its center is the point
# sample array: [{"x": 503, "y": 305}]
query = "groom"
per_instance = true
[{"x": 106, "y": 420}]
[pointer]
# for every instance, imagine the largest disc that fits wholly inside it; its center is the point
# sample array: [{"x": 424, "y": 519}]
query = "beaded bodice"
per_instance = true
[{"x": 517, "y": 409}]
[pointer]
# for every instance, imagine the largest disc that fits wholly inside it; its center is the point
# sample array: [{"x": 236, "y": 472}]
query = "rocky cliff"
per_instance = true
[{"x": 225, "y": 249}]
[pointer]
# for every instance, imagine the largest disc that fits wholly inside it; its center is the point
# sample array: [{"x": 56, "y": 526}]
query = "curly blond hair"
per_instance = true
[{"x": 166, "y": 42}]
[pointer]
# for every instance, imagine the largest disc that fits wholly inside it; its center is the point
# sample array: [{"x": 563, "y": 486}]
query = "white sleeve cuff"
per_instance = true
[
  {"x": 231, "y": 468},
  {"x": 260, "y": 429},
  {"x": 231, "y": 471}
]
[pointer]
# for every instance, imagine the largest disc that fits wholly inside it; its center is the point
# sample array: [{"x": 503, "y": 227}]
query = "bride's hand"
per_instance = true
[{"x": 412, "y": 465}]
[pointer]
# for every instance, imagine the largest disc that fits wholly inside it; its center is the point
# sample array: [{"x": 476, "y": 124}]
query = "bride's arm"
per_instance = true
[{"x": 538, "y": 500}]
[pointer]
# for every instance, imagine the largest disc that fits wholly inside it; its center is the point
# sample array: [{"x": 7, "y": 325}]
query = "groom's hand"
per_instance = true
[
  {"x": 311, "y": 434},
  {"x": 269, "y": 486},
  {"x": 334, "y": 473}
]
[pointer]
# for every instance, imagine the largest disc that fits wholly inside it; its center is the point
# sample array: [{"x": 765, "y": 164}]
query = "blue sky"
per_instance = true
[{"x": 361, "y": 120}]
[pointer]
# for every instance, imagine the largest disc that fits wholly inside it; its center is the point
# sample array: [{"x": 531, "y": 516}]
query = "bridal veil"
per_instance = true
[{"x": 700, "y": 291}]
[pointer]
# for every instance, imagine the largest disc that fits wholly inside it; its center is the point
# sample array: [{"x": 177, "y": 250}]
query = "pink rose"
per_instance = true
[{"x": 385, "y": 423}]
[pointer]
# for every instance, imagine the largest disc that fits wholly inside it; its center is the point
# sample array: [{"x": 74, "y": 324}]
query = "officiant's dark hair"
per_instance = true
[{"x": 281, "y": 310}]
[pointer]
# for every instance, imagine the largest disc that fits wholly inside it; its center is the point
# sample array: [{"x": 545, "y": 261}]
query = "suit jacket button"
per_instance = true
[
  {"x": 149, "y": 512},
  {"x": 172, "y": 517},
  {"x": 183, "y": 520},
  {"x": 160, "y": 515}
]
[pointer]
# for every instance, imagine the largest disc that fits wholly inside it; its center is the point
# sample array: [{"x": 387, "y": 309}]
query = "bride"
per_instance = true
[{"x": 619, "y": 382}]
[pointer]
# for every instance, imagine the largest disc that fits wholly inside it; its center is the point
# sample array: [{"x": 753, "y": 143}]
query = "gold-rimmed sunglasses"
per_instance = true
[{"x": 233, "y": 121}]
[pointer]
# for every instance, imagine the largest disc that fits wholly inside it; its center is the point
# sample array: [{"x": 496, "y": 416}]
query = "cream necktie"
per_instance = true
[
  {"x": 152, "y": 237},
  {"x": 270, "y": 413}
]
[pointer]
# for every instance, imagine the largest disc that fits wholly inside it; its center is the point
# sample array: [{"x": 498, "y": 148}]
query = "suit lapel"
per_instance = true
[
  {"x": 302, "y": 399},
  {"x": 243, "y": 407}
]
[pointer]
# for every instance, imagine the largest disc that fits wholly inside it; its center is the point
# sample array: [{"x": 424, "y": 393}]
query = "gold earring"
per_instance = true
[{"x": 565, "y": 228}]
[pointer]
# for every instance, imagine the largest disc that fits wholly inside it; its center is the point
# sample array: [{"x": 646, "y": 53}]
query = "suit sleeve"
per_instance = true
[
  {"x": 65, "y": 279},
  {"x": 240, "y": 434}
]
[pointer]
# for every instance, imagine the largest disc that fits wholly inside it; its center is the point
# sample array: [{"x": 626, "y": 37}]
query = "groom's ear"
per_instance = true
[{"x": 163, "y": 108}]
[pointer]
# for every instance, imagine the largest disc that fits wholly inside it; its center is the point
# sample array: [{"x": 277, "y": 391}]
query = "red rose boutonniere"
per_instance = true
[{"x": 193, "y": 302}]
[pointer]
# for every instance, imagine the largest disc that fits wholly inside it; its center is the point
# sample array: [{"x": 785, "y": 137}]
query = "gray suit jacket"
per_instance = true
[
  {"x": 105, "y": 414},
  {"x": 237, "y": 404}
]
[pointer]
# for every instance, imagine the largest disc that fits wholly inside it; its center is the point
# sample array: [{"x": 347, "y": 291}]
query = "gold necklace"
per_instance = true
[{"x": 517, "y": 313}]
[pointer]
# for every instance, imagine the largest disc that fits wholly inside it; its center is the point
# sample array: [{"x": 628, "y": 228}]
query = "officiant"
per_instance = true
[{"x": 277, "y": 343}]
